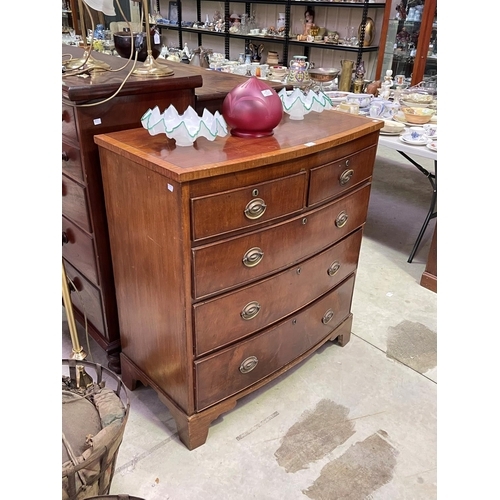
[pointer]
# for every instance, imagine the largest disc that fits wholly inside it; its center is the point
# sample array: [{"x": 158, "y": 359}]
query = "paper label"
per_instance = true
[
  {"x": 156, "y": 38},
  {"x": 97, "y": 121},
  {"x": 170, "y": 188},
  {"x": 267, "y": 92}
]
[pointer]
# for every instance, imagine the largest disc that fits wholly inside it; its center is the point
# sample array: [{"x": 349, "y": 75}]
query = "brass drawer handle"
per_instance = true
[
  {"x": 250, "y": 310},
  {"x": 332, "y": 270},
  {"x": 327, "y": 317},
  {"x": 341, "y": 219},
  {"x": 346, "y": 176},
  {"x": 255, "y": 208},
  {"x": 247, "y": 365},
  {"x": 253, "y": 256}
]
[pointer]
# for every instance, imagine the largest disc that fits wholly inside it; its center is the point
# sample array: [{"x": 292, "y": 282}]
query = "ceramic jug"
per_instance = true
[
  {"x": 345, "y": 79},
  {"x": 299, "y": 70}
]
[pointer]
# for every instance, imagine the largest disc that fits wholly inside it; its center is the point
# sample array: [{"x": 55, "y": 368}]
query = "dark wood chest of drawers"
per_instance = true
[
  {"x": 234, "y": 259},
  {"x": 86, "y": 111}
]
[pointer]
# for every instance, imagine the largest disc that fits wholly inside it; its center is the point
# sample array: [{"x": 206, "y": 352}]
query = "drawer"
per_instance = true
[
  {"x": 71, "y": 162},
  {"x": 86, "y": 298},
  {"x": 220, "y": 266},
  {"x": 333, "y": 178},
  {"x": 78, "y": 249},
  {"x": 229, "y": 371},
  {"x": 69, "y": 123},
  {"x": 257, "y": 306},
  {"x": 239, "y": 208},
  {"x": 74, "y": 204}
]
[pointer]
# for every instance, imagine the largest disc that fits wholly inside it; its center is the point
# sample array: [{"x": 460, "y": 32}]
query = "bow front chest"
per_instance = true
[{"x": 234, "y": 260}]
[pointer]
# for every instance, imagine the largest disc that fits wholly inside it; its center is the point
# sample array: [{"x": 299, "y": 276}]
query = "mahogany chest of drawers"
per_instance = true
[
  {"x": 235, "y": 259},
  {"x": 86, "y": 111}
]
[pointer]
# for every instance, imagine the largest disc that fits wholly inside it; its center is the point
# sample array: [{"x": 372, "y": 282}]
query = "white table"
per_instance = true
[{"x": 408, "y": 152}]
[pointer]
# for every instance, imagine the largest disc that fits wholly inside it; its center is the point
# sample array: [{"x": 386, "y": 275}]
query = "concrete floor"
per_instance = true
[{"x": 351, "y": 422}]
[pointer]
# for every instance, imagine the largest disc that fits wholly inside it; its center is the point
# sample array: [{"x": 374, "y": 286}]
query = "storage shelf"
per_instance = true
[{"x": 287, "y": 41}]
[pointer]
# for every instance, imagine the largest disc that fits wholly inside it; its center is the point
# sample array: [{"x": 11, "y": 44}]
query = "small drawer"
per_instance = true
[
  {"x": 333, "y": 178},
  {"x": 78, "y": 248},
  {"x": 86, "y": 298},
  {"x": 74, "y": 203},
  {"x": 221, "y": 266},
  {"x": 68, "y": 122},
  {"x": 71, "y": 162},
  {"x": 240, "y": 208},
  {"x": 231, "y": 370},
  {"x": 255, "y": 307}
]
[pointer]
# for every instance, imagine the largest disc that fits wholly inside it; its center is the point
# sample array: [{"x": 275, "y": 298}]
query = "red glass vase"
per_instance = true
[{"x": 252, "y": 109}]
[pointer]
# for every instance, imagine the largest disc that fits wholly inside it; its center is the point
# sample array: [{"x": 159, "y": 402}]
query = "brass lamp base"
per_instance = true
[
  {"x": 87, "y": 62},
  {"x": 151, "y": 68}
]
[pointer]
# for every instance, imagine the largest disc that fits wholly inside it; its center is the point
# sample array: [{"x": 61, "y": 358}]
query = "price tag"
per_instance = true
[{"x": 156, "y": 38}]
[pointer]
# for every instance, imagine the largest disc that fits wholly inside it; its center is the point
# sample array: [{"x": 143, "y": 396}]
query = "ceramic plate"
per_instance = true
[
  {"x": 382, "y": 132},
  {"x": 408, "y": 140},
  {"x": 433, "y": 146}
]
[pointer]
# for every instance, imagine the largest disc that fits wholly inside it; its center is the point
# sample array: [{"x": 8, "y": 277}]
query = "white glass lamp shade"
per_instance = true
[
  {"x": 297, "y": 104},
  {"x": 104, "y": 6},
  {"x": 185, "y": 128}
]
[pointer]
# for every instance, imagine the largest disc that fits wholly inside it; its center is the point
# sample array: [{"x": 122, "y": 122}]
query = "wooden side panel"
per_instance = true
[{"x": 149, "y": 235}]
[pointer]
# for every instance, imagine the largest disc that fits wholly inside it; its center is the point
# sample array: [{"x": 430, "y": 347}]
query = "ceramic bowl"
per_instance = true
[
  {"x": 363, "y": 100},
  {"x": 323, "y": 74},
  {"x": 391, "y": 126},
  {"x": 419, "y": 116}
]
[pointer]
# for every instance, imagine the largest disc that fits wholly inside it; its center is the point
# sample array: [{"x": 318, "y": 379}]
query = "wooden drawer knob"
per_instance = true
[
  {"x": 250, "y": 310},
  {"x": 65, "y": 156},
  {"x": 255, "y": 208},
  {"x": 253, "y": 256},
  {"x": 247, "y": 365}
]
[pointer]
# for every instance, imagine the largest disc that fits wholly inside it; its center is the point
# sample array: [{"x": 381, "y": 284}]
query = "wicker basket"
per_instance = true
[{"x": 91, "y": 465}]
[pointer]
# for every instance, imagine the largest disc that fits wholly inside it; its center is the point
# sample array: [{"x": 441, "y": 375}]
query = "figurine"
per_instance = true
[
  {"x": 308, "y": 21},
  {"x": 401, "y": 12},
  {"x": 385, "y": 90}
]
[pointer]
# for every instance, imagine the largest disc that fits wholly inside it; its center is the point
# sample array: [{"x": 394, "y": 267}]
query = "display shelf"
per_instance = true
[
  {"x": 415, "y": 54},
  {"x": 354, "y": 14}
]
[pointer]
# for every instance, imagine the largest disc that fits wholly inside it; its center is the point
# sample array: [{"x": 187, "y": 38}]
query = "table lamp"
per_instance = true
[
  {"x": 150, "y": 67},
  {"x": 106, "y": 7}
]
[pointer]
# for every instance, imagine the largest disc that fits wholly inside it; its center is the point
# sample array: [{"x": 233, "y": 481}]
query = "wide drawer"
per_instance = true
[
  {"x": 239, "y": 208},
  {"x": 86, "y": 298},
  {"x": 78, "y": 248},
  {"x": 68, "y": 122},
  {"x": 223, "y": 374},
  {"x": 71, "y": 162},
  {"x": 240, "y": 260},
  {"x": 332, "y": 179},
  {"x": 255, "y": 307},
  {"x": 74, "y": 204}
]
